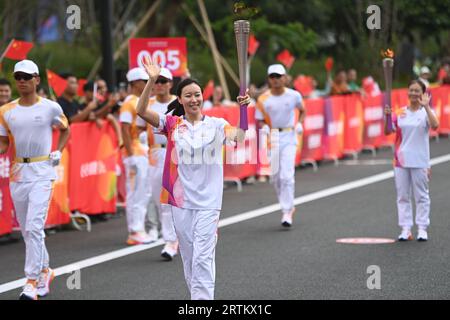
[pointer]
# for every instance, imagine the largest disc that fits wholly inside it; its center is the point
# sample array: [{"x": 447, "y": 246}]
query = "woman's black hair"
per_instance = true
[
  {"x": 176, "y": 106},
  {"x": 420, "y": 83}
]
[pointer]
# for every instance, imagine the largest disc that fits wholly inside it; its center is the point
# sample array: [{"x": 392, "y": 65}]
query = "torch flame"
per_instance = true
[{"x": 388, "y": 54}]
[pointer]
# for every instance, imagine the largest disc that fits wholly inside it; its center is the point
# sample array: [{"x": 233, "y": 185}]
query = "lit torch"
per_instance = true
[
  {"x": 388, "y": 66},
  {"x": 242, "y": 32}
]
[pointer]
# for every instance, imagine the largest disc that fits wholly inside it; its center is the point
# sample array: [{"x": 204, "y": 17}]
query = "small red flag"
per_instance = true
[
  {"x": 286, "y": 58},
  {"x": 329, "y": 64},
  {"x": 304, "y": 85},
  {"x": 18, "y": 50},
  {"x": 81, "y": 83},
  {"x": 208, "y": 91},
  {"x": 253, "y": 45},
  {"x": 442, "y": 74},
  {"x": 57, "y": 83}
]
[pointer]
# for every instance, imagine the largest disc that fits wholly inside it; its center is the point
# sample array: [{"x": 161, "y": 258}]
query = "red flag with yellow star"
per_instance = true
[
  {"x": 18, "y": 50},
  {"x": 57, "y": 83}
]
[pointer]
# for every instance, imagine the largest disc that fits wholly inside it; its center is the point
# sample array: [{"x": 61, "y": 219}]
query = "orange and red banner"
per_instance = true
[
  {"x": 313, "y": 129},
  {"x": 373, "y": 136},
  {"x": 6, "y": 205},
  {"x": 354, "y": 124},
  {"x": 441, "y": 103},
  {"x": 334, "y": 128},
  {"x": 168, "y": 52},
  {"x": 93, "y": 165}
]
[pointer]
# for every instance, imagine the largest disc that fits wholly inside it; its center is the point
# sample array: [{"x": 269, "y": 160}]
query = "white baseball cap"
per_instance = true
[
  {"x": 136, "y": 74},
  {"x": 276, "y": 68},
  {"x": 166, "y": 73},
  {"x": 26, "y": 66},
  {"x": 425, "y": 70}
]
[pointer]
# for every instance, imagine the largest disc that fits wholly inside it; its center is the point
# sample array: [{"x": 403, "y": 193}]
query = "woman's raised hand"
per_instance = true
[{"x": 151, "y": 68}]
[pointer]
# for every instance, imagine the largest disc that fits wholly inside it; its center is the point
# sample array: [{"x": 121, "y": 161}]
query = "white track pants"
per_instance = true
[
  {"x": 138, "y": 194},
  {"x": 31, "y": 202},
  {"x": 408, "y": 182},
  {"x": 163, "y": 212},
  {"x": 197, "y": 235},
  {"x": 284, "y": 178}
]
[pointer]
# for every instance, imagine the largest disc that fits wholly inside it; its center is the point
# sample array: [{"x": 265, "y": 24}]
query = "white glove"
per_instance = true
[
  {"x": 299, "y": 128},
  {"x": 265, "y": 129},
  {"x": 55, "y": 158},
  {"x": 143, "y": 138}
]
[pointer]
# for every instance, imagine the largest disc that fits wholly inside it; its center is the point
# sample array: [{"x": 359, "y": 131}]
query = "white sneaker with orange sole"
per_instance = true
[
  {"x": 406, "y": 235},
  {"x": 45, "y": 279},
  {"x": 29, "y": 292},
  {"x": 138, "y": 238}
]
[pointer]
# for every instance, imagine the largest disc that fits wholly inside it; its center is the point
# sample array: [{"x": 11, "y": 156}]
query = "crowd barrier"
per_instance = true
[{"x": 90, "y": 176}]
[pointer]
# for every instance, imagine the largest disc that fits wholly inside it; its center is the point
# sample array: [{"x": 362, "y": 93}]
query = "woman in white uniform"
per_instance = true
[
  {"x": 193, "y": 176},
  {"x": 412, "y": 159}
]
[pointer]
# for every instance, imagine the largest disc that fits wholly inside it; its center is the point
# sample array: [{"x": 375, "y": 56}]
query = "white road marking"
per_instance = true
[{"x": 222, "y": 223}]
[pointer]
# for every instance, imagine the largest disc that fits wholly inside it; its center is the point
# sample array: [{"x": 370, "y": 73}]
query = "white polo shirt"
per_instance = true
[
  {"x": 412, "y": 147},
  {"x": 196, "y": 153},
  {"x": 30, "y": 135},
  {"x": 280, "y": 109}
]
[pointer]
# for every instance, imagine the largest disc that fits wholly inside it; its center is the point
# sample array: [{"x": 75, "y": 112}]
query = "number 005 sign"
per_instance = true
[{"x": 168, "y": 52}]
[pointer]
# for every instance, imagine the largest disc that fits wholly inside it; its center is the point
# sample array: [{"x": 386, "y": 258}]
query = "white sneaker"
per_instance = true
[
  {"x": 422, "y": 235},
  {"x": 406, "y": 235},
  {"x": 138, "y": 238},
  {"x": 286, "y": 220},
  {"x": 153, "y": 234},
  {"x": 45, "y": 279},
  {"x": 29, "y": 292},
  {"x": 170, "y": 250}
]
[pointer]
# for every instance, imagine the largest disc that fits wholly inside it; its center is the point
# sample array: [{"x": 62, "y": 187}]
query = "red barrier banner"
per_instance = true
[
  {"x": 441, "y": 103},
  {"x": 399, "y": 99},
  {"x": 298, "y": 156},
  {"x": 241, "y": 160},
  {"x": 436, "y": 105},
  {"x": 6, "y": 205},
  {"x": 93, "y": 160},
  {"x": 59, "y": 211},
  {"x": 373, "y": 133},
  {"x": 313, "y": 128},
  {"x": 334, "y": 127},
  {"x": 354, "y": 124},
  {"x": 168, "y": 52}
]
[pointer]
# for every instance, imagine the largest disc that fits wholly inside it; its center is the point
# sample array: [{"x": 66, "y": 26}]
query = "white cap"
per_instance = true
[
  {"x": 276, "y": 68},
  {"x": 26, "y": 66},
  {"x": 424, "y": 70},
  {"x": 136, "y": 74},
  {"x": 166, "y": 73}
]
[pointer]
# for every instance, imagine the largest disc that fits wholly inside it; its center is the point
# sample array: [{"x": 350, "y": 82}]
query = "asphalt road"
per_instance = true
[{"x": 258, "y": 259}]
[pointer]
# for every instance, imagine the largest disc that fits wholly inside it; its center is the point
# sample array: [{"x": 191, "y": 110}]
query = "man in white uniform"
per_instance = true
[
  {"x": 135, "y": 161},
  {"x": 275, "y": 112},
  {"x": 26, "y": 127},
  {"x": 157, "y": 154}
]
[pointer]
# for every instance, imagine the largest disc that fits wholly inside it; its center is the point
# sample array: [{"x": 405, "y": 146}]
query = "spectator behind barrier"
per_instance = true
[
  {"x": 5, "y": 92},
  {"x": 72, "y": 109}
]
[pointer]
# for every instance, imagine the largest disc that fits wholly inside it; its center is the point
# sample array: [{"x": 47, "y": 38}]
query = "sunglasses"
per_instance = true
[
  {"x": 23, "y": 76},
  {"x": 275, "y": 76},
  {"x": 162, "y": 81}
]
